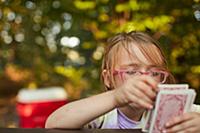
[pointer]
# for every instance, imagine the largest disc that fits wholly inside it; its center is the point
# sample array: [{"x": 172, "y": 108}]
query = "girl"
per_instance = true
[{"x": 133, "y": 66}]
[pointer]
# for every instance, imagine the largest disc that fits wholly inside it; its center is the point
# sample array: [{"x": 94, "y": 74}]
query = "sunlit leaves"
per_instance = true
[
  {"x": 195, "y": 69},
  {"x": 158, "y": 23},
  {"x": 98, "y": 53},
  {"x": 61, "y": 42},
  {"x": 122, "y": 7},
  {"x": 132, "y": 5},
  {"x": 84, "y": 5},
  {"x": 73, "y": 74}
]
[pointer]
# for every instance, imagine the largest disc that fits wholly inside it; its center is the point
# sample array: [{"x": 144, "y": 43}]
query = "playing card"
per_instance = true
[
  {"x": 148, "y": 114},
  {"x": 173, "y": 86},
  {"x": 168, "y": 105},
  {"x": 191, "y": 100},
  {"x": 147, "y": 120}
]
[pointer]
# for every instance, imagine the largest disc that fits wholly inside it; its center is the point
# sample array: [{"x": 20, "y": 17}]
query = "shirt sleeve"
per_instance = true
[{"x": 97, "y": 123}]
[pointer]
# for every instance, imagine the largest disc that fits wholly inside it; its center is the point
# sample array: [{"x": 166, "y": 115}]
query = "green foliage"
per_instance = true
[{"x": 35, "y": 39}]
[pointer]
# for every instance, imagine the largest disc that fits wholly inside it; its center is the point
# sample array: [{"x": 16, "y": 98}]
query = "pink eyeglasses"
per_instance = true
[{"x": 156, "y": 74}]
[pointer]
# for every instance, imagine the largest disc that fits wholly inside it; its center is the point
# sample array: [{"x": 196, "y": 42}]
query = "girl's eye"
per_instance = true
[
  {"x": 131, "y": 72},
  {"x": 155, "y": 74}
]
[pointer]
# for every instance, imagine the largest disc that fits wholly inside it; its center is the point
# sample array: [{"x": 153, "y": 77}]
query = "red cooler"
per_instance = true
[{"x": 34, "y": 106}]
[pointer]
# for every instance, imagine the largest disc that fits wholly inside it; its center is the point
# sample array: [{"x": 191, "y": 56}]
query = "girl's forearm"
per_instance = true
[{"x": 78, "y": 113}]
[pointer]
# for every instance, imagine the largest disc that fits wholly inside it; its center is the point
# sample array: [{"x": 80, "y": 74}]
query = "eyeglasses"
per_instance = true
[{"x": 159, "y": 75}]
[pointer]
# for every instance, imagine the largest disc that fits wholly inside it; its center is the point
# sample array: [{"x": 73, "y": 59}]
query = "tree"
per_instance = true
[{"x": 36, "y": 36}]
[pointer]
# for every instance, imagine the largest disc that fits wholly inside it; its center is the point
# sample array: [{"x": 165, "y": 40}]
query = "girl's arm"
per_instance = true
[
  {"x": 138, "y": 90},
  {"x": 77, "y": 114}
]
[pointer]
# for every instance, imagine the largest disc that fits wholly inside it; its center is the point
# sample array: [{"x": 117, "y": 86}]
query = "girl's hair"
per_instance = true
[{"x": 146, "y": 44}]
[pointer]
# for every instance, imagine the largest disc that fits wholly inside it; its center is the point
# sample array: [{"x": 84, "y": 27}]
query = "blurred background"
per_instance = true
[{"x": 50, "y": 43}]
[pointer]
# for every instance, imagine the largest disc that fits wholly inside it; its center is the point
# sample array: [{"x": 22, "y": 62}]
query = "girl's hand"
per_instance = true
[
  {"x": 186, "y": 123},
  {"x": 140, "y": 91}
]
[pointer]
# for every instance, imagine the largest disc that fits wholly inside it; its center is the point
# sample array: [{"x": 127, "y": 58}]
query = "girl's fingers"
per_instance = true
[
  {"x": 184, "y": 126},
  {"x": 150, "y": 81},
  {"x": 189, "y": 130},
  {"x": 140, "y": 95},
  {"x": 146, "y": 89},
  {"x": 179, "y": 119},
  {"x": 188, "y": 123},
  {"x": 144, "y": 104},
  {"x": 139, "y": 101},
  {"x": 141, "y": 104},
  {"x": 140, "y": 98}
]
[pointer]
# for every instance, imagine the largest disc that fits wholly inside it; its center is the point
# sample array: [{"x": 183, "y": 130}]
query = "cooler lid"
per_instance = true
[{"x": 41, "y": 94}]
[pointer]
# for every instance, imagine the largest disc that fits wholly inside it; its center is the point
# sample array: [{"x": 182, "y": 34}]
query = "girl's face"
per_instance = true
[{"x": 128, "y": 65}]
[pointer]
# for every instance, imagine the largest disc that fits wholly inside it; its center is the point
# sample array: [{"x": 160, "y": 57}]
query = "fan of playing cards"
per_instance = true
[{"x": 172, "y": 100}]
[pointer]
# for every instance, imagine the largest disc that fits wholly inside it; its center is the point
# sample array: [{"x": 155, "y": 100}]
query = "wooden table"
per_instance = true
[{"x": 40, "y": 130}]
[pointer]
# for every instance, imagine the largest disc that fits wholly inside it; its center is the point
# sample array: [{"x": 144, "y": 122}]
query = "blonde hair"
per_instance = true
[{"x": 147, "y": 45}]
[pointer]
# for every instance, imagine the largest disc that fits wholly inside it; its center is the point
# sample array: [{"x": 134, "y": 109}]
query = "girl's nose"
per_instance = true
[{"x": 144, "y": 73}]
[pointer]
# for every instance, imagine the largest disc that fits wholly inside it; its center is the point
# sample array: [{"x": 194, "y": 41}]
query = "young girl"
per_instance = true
[{"x": 133, "y": 66}]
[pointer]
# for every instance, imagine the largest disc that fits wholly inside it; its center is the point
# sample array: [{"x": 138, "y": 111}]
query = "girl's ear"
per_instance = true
[{"x": 106, "y": 78}]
